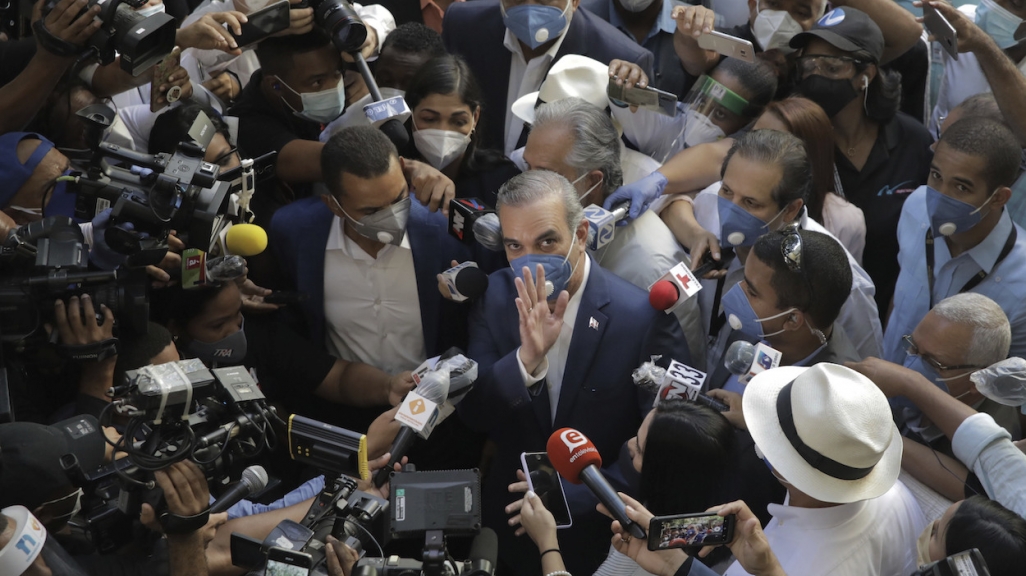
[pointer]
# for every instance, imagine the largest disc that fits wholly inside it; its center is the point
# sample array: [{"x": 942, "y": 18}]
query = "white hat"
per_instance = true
[
  {"x": 570, "y": 76},
  {"x": 826, "y": 429}
]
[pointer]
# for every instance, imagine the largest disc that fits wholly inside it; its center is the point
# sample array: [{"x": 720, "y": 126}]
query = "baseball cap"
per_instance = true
[{"x": 847, "y": 29}]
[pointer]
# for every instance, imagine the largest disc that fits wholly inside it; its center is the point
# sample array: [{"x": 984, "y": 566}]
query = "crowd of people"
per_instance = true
[{"x": 841, "y": 185}]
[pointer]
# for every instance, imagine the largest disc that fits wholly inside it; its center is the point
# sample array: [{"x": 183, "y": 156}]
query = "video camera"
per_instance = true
[
  {"x": 967, "y": 563},
  {"x": 142, "y": 41},
  {"x": 340, "y": 21}
]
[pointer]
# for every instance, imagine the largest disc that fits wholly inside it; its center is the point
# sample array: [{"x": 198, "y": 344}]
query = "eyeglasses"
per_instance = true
[
  {"x": 225, "y": 159},
  {"x": 833, "y": 67},
  {"x": 912, "y": 350}
]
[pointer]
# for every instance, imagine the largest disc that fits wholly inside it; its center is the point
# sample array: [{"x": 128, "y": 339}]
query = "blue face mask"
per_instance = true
[
  {"x": 557, "y": 270},
  {"x": 534, "y": 24},
  {"x": 949, "y": 216},
  {"x": 737, "y": 226},
  {"x": 742, "y": 317},
  {"x": 916, "y": 363},
  {"x": 997, "y": 22}
]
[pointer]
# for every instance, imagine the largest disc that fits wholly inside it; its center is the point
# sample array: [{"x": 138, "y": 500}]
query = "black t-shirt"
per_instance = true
[
  {"x": 14, "y": 57},
  {"x": 484, "y": 182},
  {"x": 287, "y": 365},
  {"x": 898, "y": 164}
]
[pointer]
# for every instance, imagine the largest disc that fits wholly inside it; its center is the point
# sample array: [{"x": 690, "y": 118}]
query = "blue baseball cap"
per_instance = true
[{"x": 14, "y": 174}]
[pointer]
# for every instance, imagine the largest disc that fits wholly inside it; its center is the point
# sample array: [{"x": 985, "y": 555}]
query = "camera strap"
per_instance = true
[
  {"x": 175, "y": 524},
  {"x": 53, "y": 44},
  {"x": 97, "y": 351}
]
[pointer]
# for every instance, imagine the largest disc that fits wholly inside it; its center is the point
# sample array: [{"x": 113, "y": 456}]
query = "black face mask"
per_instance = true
[{"x": 831, "y": 95}]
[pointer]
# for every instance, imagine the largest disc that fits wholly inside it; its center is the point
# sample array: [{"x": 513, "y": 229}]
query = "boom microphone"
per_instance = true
[
  {"x": 254, "y": 479},
  {"x": 577, "y": 460}
]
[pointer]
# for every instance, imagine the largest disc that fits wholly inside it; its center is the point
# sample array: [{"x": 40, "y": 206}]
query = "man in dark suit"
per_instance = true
[
  {"x": 565, "y": 361},
  {"x": 510, "y": 63}
]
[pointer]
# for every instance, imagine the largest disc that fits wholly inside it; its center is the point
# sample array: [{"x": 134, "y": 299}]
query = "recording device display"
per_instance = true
[
  {"x": 263, "y": 23},
  {"x": 727, "y": 45},
  {"x": 447, "y": 500},
  {"x": 648, "y": 98},
  {"x": 285, "y": 562},
  {"x": 683, "y": 530},
  {"x": 543, "y": 480},
  {"x": 141, "y": 41},
  {"x": 941, "y": 30},
  {"x": 967, "y": 563}
]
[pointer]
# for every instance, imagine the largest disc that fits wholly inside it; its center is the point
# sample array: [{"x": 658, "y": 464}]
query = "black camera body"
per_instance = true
[{"x": 967, "y": 563}]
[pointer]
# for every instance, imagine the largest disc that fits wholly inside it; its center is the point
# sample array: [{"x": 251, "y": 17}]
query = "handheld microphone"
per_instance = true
[
  {"x": 484, "y": 554},
  {"x": 602, "y": 223},
  {"x": 673, "y": 289},
  {"x": 745, "y": 359},
  {"x": 389, "y": 124},
  {"x": 488, "y": 232},
  {"x": 466, "y": 281},
  {"x": 464, "y": 213},
  {"x": 246, "y": 240},
  {"x": 577, "y": 460},
  {"x": 419, "y": 406},
  {"x": 253, "y": 480}
]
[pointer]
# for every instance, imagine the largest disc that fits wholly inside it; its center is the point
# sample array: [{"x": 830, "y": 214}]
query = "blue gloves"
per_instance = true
[
  {"x": 641, "y": 194},
  {"x": 100, "y": 254}
]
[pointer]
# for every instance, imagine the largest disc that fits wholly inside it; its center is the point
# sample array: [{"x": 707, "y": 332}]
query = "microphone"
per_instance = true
[
  {"x": 253, "y": 480},
  {"x": 488, "y": 232},
  {"x": 387, "y": 115},
  {"x": 745, "y": 359},
  {"x": 602, "y": 223},
  {"x": 246, "y": 240},
  {"x": 484, "y": 554},
  {"x": 673, "y": 289},
  {"x": 464, "y": 213},
  {"x": 577, "y": 460},
  {"x": 418, "y": 408},
  {"x": 466, "y": 281}
]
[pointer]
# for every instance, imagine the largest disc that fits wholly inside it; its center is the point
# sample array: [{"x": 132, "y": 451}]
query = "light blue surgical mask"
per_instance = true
[
  {"x": 950, "y": 216},
  {"x": 557, "y": 269},
  {"x": 742, "y": 317},
  {"x": 997, "y": 22},
  {"x": 323, "y": 106},
  {"x": 535, "y": 24},
  {"x": 916, "y": 363},
  {"x": 738, "y": 227}
]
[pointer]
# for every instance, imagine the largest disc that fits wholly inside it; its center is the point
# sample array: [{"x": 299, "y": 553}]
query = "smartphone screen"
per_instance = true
[
  {"x": 282, "y": 562},
  {"x": 543, "y": 480},
  {"x": 264, "y": 22},
  {"x": 685, "y": 530}
]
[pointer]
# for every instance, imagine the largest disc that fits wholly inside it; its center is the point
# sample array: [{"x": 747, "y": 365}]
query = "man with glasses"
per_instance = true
[
  {"x": 955, "y": 235},
  {"x": 511, "y": 44}
]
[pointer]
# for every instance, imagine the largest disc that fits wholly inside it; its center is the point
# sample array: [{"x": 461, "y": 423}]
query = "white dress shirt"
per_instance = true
[
  {"x": 553, "y": 366},
  {"x": 371, "y": 305},
  {"x": 869, "y": 538},
  {"x": 525, "y": 77}
]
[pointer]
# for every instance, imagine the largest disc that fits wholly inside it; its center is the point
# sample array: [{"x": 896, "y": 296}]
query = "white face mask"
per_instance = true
[
  {"x": 440, "y": 147},
  {"x": 636, "y": 5},
  {"x": 36, "y": 212},
  {"x": 588, "y": 191},
  {"x": 773, "y": 29},
  {"x": 323, "y": 106},
  {"x": 148, "y": 11},
  {"x": 699, "y": 129}
]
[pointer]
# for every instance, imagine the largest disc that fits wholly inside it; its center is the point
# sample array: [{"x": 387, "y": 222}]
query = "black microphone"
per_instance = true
[
  {"x": 254, "y": 479},
  {"x": 464, "y": 213},
  {"x": 484, "y": 553},
  {"x": 465, "y": 281}
]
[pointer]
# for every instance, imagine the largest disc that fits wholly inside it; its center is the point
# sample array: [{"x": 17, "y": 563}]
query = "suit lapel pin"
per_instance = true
[{"x": 593, "y": 324}]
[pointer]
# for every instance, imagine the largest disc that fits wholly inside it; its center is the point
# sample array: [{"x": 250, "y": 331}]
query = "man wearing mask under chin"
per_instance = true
[
  {"x": 511, "y": 44},
  {"x": 955, "y": 235}
]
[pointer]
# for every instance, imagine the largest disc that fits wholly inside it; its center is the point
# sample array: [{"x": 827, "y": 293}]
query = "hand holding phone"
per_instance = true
[
  {"x": 264, "y": 22},
  {"x": 685, "y": 530},
  {"x": 543, "y": 480},
  {"x": 161, "y": 73},
  {"x": 648, "y": 97},
  {"x": 941, "y": 30},
  {"x": 727, "y": 45}
]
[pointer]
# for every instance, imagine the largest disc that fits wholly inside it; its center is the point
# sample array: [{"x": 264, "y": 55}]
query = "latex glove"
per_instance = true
[
  {"x": 100, "y": 254},
  {"x": 641, "y": 194}
]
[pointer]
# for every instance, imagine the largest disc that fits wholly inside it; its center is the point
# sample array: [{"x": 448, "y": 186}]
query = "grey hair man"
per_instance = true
[
  {"x": 577, "y": 140},
  {"x": 556, "y": 339}
]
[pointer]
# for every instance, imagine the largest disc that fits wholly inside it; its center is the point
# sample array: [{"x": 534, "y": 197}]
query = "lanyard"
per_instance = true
[
  {"x": 717, "y": 322},
  {"x": 975, "y": 280}
]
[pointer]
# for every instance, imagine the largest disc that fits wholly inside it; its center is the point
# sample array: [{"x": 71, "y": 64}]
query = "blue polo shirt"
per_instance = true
[{"x": 1005, "y": 283}]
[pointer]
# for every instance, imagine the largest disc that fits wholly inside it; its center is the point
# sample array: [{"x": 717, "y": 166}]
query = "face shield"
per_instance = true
[{"x": 712, "y": 112}]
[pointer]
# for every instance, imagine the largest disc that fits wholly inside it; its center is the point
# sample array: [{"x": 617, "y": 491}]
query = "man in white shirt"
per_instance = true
[
  {"x": 826, "y": 433},
  {"x": 557, "y": 358}
]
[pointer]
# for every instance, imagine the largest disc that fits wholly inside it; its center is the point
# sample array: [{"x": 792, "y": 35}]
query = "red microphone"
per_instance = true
[
  {"x": 577, "y": 460},
  {"x": 663, "y": 295}
]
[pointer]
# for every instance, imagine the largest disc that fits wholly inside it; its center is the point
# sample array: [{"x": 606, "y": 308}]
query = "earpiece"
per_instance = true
[
  {"x": 865, "y": 82},
  {"x": 277, "y": 86}
]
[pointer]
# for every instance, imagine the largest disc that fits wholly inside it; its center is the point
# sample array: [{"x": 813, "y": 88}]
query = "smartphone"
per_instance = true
[
  {"x": 727, "y": 45},
  {"x": 284, "y": 298},
  {"x": 284, "y": 562},
  {"x": 543, "y": 480},
  {"x": 264, "y": 22},
  {"x": 161, "y": 71},
  {"x": 683, "y": 530},
  {"x": 649, "y": 98},
  {"x": 941, "y": 30}
]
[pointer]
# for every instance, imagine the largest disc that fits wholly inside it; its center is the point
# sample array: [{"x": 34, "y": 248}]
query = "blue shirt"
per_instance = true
[
  {"x": 1005, "y": 284},
  {"x": 665, "y": 23}
]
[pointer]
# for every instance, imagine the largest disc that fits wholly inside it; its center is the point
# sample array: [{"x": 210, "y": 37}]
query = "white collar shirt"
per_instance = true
[
  {"x": 371, "y": 305},
  {"x": 525, "y": 77}
]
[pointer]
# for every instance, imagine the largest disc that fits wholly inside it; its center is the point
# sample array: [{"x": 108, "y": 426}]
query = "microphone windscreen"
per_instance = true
[
  {"x": 571, "y": 452},
  {"x": 663, "y": 295},
  {"x": 471, "y": 282},
  {"x": 485, "y": 546},
  {"x": 739, "y": 357},
  {"x": 246, "y": 239},
  {"x": 488, "y": 232},
  {"x": 256, "y": 477},
  {"x": 397, "y": 133}
]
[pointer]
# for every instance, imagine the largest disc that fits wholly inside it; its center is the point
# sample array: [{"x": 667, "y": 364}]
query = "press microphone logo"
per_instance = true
[
  {"x": 223, "y": 352},
  {"x": 417, "y": 406},
  {"x": 573, "y": 439}
]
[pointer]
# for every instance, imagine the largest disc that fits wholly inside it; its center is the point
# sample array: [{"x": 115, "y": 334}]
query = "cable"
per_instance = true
[{"x": 381, "y": 551}]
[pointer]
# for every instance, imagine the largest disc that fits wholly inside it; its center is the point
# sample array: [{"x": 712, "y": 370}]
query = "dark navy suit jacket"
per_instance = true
[
  {"x": 475, "y": 31},
  {"x": 300, "y": 231},
  {"x": 615, "y": 331}
]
